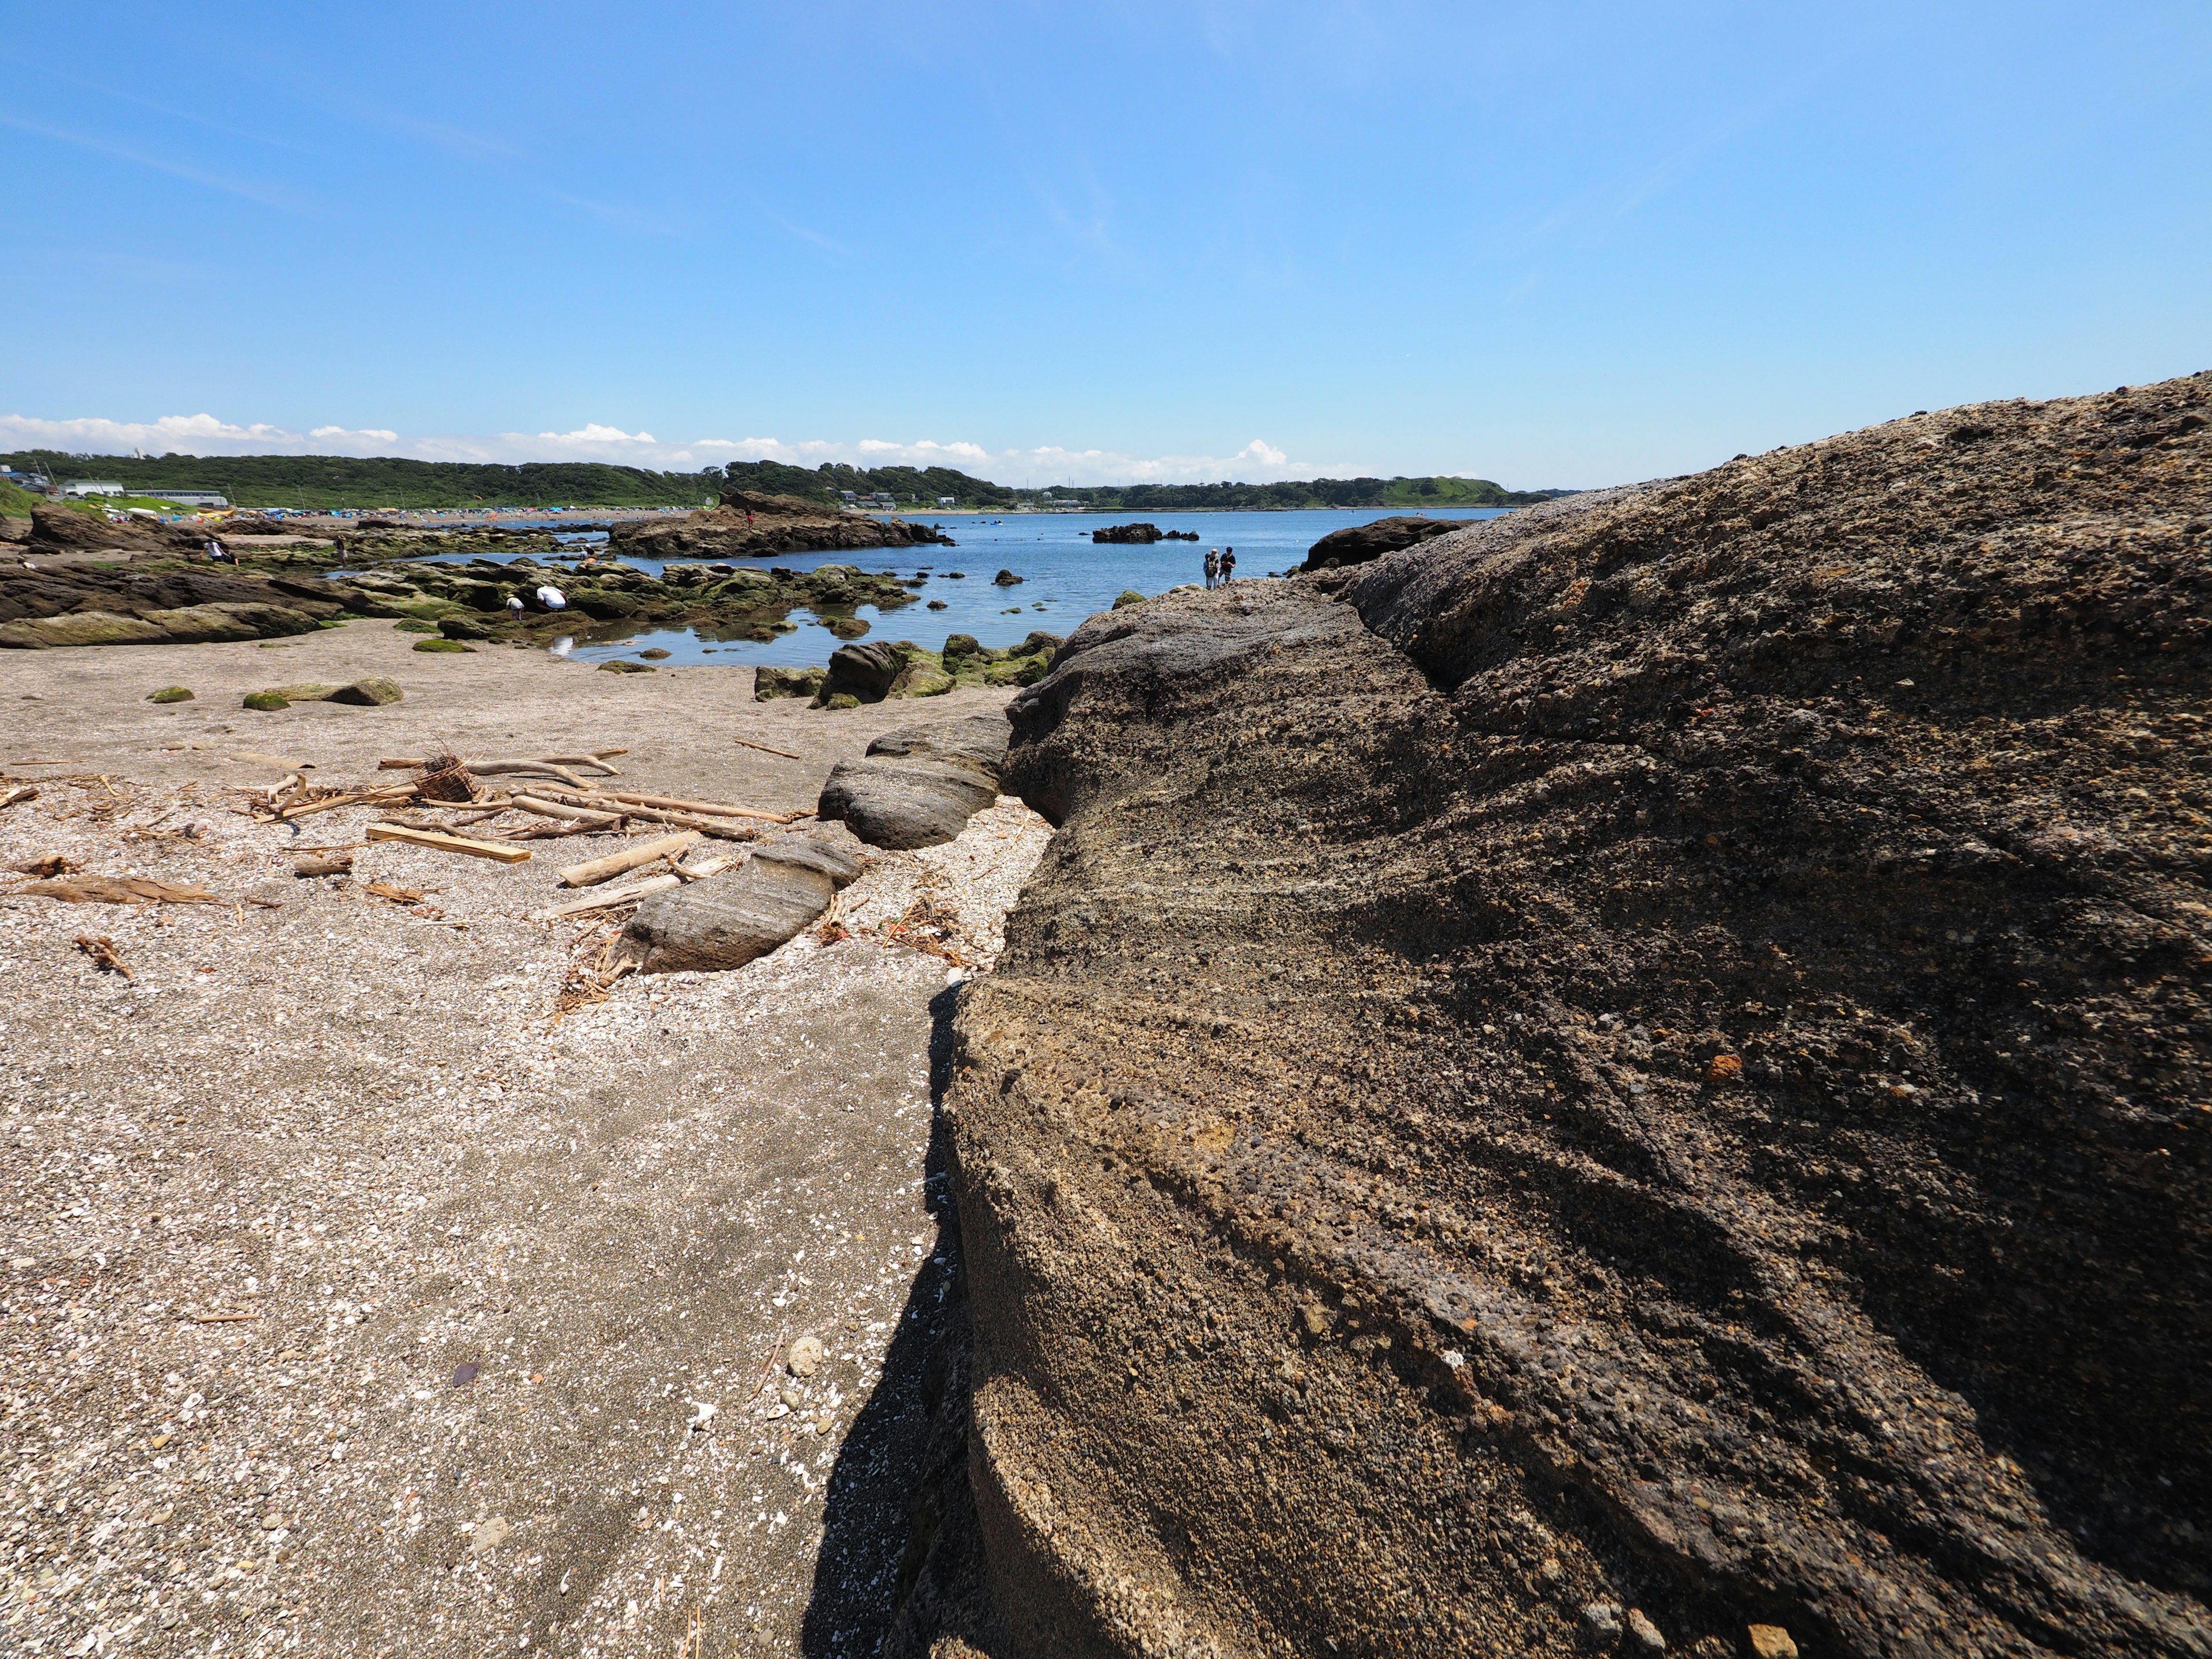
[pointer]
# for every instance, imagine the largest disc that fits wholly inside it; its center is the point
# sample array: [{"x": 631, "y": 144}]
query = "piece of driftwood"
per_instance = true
[
  {"x": 726, "y": 829},
  {"x": 119, "y": 889},
  {"x": 324, "y": 864},
  {"x": 595, "y": 760},
  {"x": 577, "y": 814},
  {"x": 372, "y": 797},
  {"x": 704, "y": 808},
  {"x": 51, "y": 864},
  {"x": 393, "y": 891},
  {"x": 630, "y": 858},
  {"x": 101, "y": 950},
  {"x": 21, "y": 791},
  {"x": 607, "y": 898},
  {"x": 767, "y": 749},
  {"x": 438, "y": 841}
]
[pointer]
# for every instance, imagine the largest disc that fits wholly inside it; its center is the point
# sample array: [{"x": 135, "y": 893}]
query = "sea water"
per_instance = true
[{"x": 1065, "y": 577}]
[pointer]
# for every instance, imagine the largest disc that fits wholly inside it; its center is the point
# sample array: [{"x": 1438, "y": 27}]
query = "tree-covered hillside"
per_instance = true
[{"x": 342, "y": 480}]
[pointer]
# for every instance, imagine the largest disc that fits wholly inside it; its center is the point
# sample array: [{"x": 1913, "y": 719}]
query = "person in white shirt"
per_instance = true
[{"x": 551, "y": 599}]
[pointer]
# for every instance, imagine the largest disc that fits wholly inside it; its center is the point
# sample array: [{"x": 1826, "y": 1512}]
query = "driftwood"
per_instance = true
[
  {"x": 727, "y": 829},
  {"x": 372, "y": 797},
  {"x": 50, "y": 864},
  {"x": 704, "y": 808},
  {"x": 582, "y": 817},
  {"x": 101, "y": 950},
  {"x": 324, "y": 864},
  {"x": 439, "y": 842},
  {"x": 595, "y": 760},
  {"x": 630, "y": 858},
  {"x": 609, "y": 898},
  {"x": 22, "y": 793},
  {"x": 119, "y": 889},
  {"x": 767, "y": 749}
]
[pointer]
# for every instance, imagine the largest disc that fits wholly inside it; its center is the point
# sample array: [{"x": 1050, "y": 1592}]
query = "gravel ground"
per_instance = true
[{"x": 268, "y": 1203}]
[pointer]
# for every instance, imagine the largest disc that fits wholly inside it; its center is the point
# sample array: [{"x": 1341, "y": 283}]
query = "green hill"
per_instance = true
[{"x": 341, "y": 481}]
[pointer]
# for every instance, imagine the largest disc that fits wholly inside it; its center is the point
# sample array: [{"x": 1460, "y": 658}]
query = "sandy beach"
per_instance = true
[{"x": 354, "y": 1304}]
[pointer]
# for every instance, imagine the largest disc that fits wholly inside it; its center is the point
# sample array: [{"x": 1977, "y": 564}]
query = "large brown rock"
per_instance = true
[
  {"x": 919, "y": 786},
  {"x": 1359, "y": 543},
  {"x": 1645, "y": 1060},
  {"x": 749, "y": 524},
  {"x": 726, "y": 921}
]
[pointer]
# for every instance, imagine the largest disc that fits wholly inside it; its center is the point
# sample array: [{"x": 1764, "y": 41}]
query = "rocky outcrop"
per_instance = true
[
  {"x": 43, "y": 605},
  {"x": 749, "y": 524},
  {"x": 726, "y": 921},
  {"x": 1360, "y": 543},
  {"x": 919, "y": 786},
  {"x": 1141, "y": 534},
  {"x": 1623, "y": 1074}
]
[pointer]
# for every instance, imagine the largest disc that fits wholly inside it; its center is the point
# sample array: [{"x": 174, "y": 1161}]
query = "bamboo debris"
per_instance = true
[
  {"x": 727, "y": 829},
  {"x": 608, "y": 898},
  {"x": 439, "y": 841},
  {"x": 553, "y": 809},
  {"x": 594, "y": 759},
  {"x": 705, "y": 808},
  {"x": 630, "y": 858}
]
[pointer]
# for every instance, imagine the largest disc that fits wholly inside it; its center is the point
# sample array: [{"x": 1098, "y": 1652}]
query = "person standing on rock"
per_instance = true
[
  {"x": 1212, "y": 567},
  {"x": 1228, "y": 564}
]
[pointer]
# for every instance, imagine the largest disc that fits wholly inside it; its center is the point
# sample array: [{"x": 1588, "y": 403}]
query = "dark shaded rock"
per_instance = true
[
  {"x": 266, "y": 702},
  {"x": 919, "y": 786},
  {"x": 1141, "y": 535},
  {"x": 171, "y": 693},
  {"x": 113, "y": 604},
  {"x": 864, "y": 670},
  {"x": 1006, "y": 579},
  {"x": 1359, "y": 543},
  {"x": 726, "y": 921},
  {"x": 750, "y": 524},
  {"x": 1128, "y": 596},
  {"x": 462, "y": 628},
  {"x": 58, "y": 528},
  {"x": 1644, "y": 1059}
]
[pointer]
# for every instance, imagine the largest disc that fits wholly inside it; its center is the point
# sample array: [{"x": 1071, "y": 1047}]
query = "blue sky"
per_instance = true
[{"x": 1551, "y": 244}]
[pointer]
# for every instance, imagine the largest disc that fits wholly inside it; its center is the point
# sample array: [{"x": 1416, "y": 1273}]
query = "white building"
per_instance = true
[
  {"x": 80, "y": 488},
  {"x": 193, "y": 497}
]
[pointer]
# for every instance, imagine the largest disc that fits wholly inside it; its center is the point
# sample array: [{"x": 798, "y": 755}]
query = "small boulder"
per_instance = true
[
  {"x": 1005, "y": 579},
  {"x": 314, "y": 691},
  {"x": 266, "y": 702},
  {"x": 770, "y": 683},
  {"x": 372, "y": 692},
  {"x": 806, "y": 1356},
  {"x": 1129, "y": 596},
  {"x": 727, "y": 921},
  {"x": 618, "y": 666},
  {"x": 170, "y": 694},
  {"x": 462, "y": 628},
  {"x": 919, "y": 786},
  {"x": 1771, "y": 1642},
  {"x": 863, "y": 671},
  {"x": 442, "y": 645}
]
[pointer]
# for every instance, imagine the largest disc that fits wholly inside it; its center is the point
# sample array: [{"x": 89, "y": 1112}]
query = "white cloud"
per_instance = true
[{"x": 1044, "y": 464}]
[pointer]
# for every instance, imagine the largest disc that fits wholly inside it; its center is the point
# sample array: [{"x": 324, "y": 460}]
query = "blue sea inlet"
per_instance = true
[{"x": 1066, "y": 577}]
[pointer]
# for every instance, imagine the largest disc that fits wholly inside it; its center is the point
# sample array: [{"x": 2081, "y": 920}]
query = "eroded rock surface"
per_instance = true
[
  {"x": 726, "y": 921},
  {"x": 749, "y": 524},
  {"x": 1642, "y": 1060},
  {"x": 919, "y": 786}
]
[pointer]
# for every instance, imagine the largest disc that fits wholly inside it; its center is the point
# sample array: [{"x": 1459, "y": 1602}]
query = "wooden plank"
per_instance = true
[
  {"x": 646, "y": 852},
  {"x": 438, "y": 842}
]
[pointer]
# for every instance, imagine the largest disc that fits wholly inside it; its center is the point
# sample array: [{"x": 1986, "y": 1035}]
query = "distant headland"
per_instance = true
[{"x": 318, "y": 482}]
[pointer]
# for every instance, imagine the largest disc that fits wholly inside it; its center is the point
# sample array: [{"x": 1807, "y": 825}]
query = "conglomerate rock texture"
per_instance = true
[{"x": 1648, "y": 1055}]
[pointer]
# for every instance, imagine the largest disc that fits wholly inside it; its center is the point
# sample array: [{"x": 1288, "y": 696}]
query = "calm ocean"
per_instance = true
[{"x": 1066, "y": 577}]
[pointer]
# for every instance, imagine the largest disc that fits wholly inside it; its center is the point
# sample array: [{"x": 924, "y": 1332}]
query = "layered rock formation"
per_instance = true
[
  {"x": 749, "y": 524},
  {"x": 1628, "y": 1073},
  {"x": 919, "y": 786},
  {"x": 1358, "y": 543},
  {"x": 43, "y": 605}
]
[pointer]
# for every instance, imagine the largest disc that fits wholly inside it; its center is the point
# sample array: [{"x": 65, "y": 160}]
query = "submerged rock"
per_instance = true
[
  {"x": 1341, "y": 1148},
  {"x": 770, "y": 683},
  {"x": 919, "y": 786}
]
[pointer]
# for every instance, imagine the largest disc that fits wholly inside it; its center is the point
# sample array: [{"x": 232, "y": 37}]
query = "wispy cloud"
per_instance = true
[
  {"x": 266, "y": 195},
  {"x": 1257, "y": 462}
]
